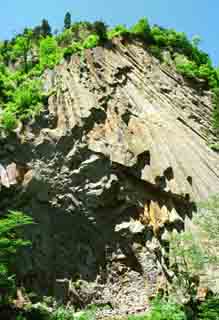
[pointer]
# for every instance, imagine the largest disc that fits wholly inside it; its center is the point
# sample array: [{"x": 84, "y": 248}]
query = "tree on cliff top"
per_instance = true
[{"x": 67, "y": 21}]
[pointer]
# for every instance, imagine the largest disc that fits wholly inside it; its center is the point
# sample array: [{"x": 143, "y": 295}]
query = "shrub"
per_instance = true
[
  {"x": 22, "y": 47},
  {"x": 26, "y": 100},
  {"x": 166, "y": 310},
  {"x": 160, "y": 36},
  {"x": 207, "y": 219},
  {"x": 68, "y": 52},
  {"x": 188, "y": 69},
  {"x": 50, "y": 54},
  {"x": 25, "y": 103},
  {"x": 6, "y": 85},
  {"x": 162, "y": 310},
  {"x": 142, "y": 29},
  {"x": 81, "y": 30},
  {"x": 5, "y": 52},
  {"x": 65, "y": 38},
  {"x": 209, "y": 309},
  {"x": 156, "y": 52},
  {"x": 62, "y": 314},
  {"x": 73, "y": 49},
  {"x": 9, "y": 243},
  {"x": 190, "y": 255},
  {"x": 177, "y": 40},
  {"x": 215, "y": 115},
  {"x": 119, "y": 30},
  {"x": 91, "y": 41},
  {"x": 8, "y": 120},
  {"x": 100, "y": 29}
]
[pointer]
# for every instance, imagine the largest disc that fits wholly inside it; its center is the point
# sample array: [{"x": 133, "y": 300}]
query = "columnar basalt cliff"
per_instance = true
[{"x": 117, "y": 158}]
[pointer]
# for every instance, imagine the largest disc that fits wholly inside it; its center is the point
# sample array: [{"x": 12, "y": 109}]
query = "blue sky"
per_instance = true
[{"x": 191, "y": 16}]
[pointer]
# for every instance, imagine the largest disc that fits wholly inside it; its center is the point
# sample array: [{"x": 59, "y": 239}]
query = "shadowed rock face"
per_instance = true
[{"x": 118, "y": 157}]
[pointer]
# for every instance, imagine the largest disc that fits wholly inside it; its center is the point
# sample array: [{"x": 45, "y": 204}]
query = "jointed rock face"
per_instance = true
[{"x": 119, "y": 154}]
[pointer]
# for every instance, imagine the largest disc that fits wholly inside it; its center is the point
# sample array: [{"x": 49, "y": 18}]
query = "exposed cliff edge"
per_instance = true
[{"x": 118, "y": 157}]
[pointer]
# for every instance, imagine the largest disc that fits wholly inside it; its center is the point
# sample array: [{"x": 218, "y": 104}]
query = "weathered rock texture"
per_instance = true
[{"x": 118, "y": 157}]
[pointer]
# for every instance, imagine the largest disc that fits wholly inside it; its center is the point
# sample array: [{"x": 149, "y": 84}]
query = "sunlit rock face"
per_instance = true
[{"x": 118, "y": 157}]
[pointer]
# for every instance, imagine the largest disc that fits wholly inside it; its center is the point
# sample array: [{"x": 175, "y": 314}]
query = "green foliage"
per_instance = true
[
  {"x": 49, "y": 53},
  {"x": 5, "y": 52},
  {"x": 22, "y": 47},
  {"x": 67, "y": 21},
  {"x": 73, "y": 49},
  {"x": 41, "y": 31},
  {"x": 9, "y": 244},
  {"x": 209, "y": 309},
  {"x": 215, "y": 116},
  {"x": 62, "y": 314},
  {"x": 8, "y": 120},
  {"x": 100, "y": 29},
  {"x": 142, "y": 29},
  {"x": 25, "y": 103},
  {"x": 91, "y": 42},
  {"x": 159, "y": 36},
  {"x": 65, "y": 38},
  {"x": 81, "y": 30},
  {"x": 207, "y": 219},
  {"x": 162, "y": 310},
  {"x": 214, "y": 146},
  {"x": 196, "y": 63},
  {"x": 6, "y": 85},
  {"x": 20, "y": 317},
  {"x": 119, "y": 30},
  {"x": 189, "y": 69},
  {"x": 187, "y": 261},
  {"x": 27, "y": 99},
  {"x": 166, "y": 310},
  {"x": 156, "y": 51},
  {"x": 190, "y": 255},
  {"x": 45, "y": 29}
]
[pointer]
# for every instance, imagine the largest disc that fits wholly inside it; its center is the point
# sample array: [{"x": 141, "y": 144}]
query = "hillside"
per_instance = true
[{"x": 117, "y": 157}]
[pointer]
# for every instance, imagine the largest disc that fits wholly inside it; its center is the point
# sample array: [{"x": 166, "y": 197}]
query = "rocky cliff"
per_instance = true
[{"x": 117, "y": 158}]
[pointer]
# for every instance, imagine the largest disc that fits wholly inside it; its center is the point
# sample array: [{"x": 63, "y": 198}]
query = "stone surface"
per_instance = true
[{"x": 119, "y": 154}]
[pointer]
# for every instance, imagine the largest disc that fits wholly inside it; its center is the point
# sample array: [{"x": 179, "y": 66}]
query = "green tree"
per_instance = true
[
  {"x": 25, "y": 103},
  {"x": 192, "y": 254},
  {"x": 37, "y": 33},
  {"x": 9, "y": 244},
  {"x": 45, "y": 28},
  {"x": 5, "y": 49},
  {"x": 91, "y": 41},
  {"x": 22, "y": 47},
  {"x": 142, "y": 29},
  {"x": 100, "y": 29},
  {"x": 65, "y": 38},
  {"x": 67, "y": 21},
  {"x": 159, "y": 35},
  {"x": 49, "y": 53},
  {"x": 187, "y": 260},
  {"x": 119, "y": 30}
]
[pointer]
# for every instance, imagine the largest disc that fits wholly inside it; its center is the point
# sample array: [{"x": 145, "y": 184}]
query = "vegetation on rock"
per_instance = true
[
  {"x": 37, "y": 49},
  {"x": 10, "y": 242}
]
